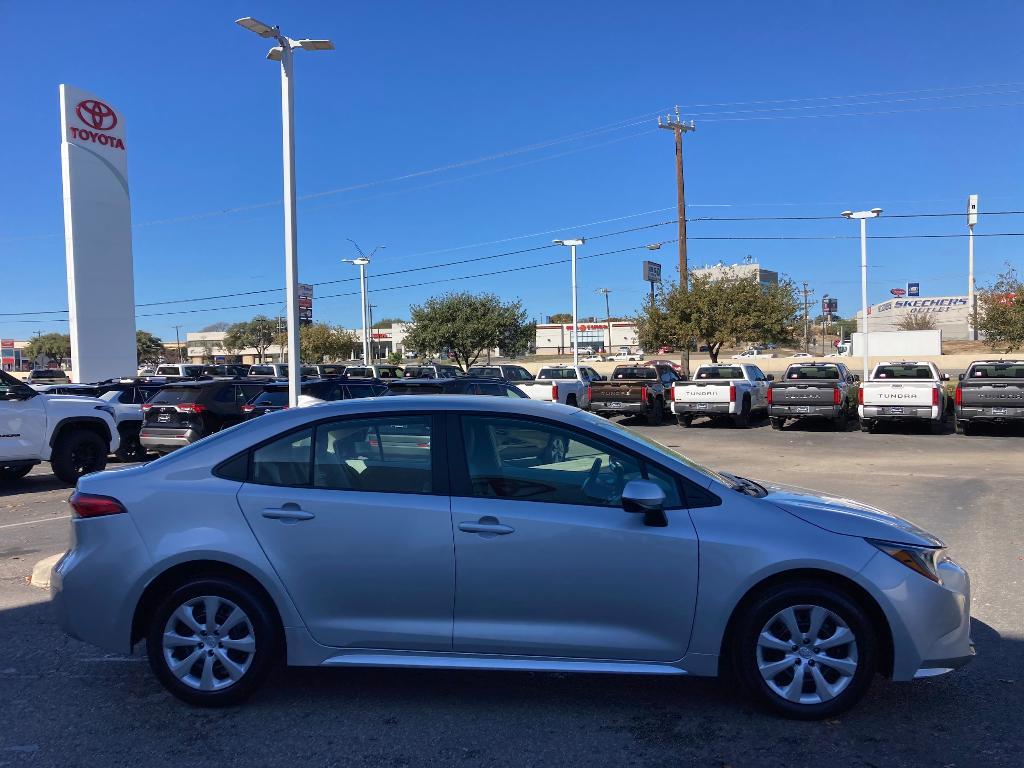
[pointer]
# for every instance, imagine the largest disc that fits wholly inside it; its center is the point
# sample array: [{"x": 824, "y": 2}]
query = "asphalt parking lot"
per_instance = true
[{"x": 67, "y": 704}]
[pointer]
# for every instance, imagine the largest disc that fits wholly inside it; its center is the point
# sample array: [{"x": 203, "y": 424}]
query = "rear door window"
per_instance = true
[
  {"x": 285, "y": 461},
  {"x": 387, "y": 454}
]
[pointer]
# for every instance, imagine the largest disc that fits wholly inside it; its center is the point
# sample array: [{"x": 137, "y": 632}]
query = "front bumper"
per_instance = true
[
  {"x": 994, "y": 413},
  {"x": 171, "y": 438},
  {"x": 803, "y": 411}
]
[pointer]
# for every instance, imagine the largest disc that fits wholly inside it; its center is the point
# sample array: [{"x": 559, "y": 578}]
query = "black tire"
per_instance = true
[
  {"x": 131, "y": 449},
  {"x": 571, "y": 400},
  {"x": 684, "y": 421},
  {"x": 777, "y": 422},
  {"x": 78, "y": 452},
  {"x": 963, "y": 427},
  {"x": 841, "y": 422},
  {"x": 13, "y": 474},
  {"x": 262, "y": 628},
  {"x": 656, "y": 413},
  {"x": 802, "y": 595},
  {"x": 938, "y": 426},
  {"x": 867, "y": 426},
  {"x": 742, "y": 419}
]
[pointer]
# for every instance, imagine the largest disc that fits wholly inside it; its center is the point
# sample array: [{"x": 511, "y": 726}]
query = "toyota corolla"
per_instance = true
[{"x": 417, "y": 532}]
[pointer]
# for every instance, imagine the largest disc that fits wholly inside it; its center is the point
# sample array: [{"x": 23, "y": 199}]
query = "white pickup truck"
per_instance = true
[
  {"x": 721, "y": 391},
  {"x": 73, "y": 433},
  {"x": 563, "y": 384},
  {"x": 903, "y": 391}
]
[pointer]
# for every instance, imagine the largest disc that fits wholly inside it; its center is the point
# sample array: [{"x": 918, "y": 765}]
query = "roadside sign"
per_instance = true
[
  {"x": 652, "y": 272},
  {"x": 913, "y": 289}
]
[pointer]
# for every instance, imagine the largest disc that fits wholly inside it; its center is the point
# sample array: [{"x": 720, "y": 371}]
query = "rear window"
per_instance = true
[
  {"x": 716, "y": 372},
  {"x": 261, "y": 370},
  {"x": 802, "y": 372},
  {"x": 175, "y": 395},
  {"x": 363, "y": 373},
  {"x": 417, "y": 372},
  {"x": 1013, "y": 370},
  {"x": 556, "y": 373},
  {"x": 631, "y": 372},
  {"x": 332, "y": 370},
  {"x": 389, "y": 373},
  {"x": 485, "y": 371},
  {"x": 193, "y": 370},
  {"x": 273, "y": 399},
  {"x": 167, "y": 370},
  {"x": 416, "y": 389},
  {"x": 903, "y": 372},
  {"x": 48, "y": 374}
]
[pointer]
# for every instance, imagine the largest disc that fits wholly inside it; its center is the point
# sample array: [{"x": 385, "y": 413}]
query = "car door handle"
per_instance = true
[
  {"x": 486, "y": 526},
  {"x": 288, "y": 514}
]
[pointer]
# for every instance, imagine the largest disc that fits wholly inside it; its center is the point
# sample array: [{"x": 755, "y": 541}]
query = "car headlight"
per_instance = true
[
  {"x": 924, "y": 560},
  {"x": 108, "y": 408}
]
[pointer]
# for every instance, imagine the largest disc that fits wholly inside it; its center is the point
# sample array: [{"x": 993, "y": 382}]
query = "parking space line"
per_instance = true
[{"x": 33, "y": 522}]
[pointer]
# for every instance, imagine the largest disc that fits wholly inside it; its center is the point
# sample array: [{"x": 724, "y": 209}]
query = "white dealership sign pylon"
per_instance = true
[{"x": 97, "y": 237}]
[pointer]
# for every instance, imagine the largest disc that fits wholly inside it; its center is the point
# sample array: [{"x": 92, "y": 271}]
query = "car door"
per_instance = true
[
  {"x": 354, "y": 515},
  {"x": 22, "y": 420},
  {"x": 549, "y": 564}
]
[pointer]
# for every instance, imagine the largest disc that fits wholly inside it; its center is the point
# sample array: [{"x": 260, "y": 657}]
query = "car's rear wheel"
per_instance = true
[
  {"x": 13, "y": 474},
  {"x": 805, "y": 651},
  {"x": 131, "y": 449},
  {"x": 78, "y": 453},
  {"x": 742, "y": 419},
  {"x": 867, "y": 426},
  {"x": 684, "y": 421},
  {"x": 211, "y": 642},
  {"x": 656, "y": 413},
  {"x": 963, "y": 427},
  {"x": 777, "y": 423}
]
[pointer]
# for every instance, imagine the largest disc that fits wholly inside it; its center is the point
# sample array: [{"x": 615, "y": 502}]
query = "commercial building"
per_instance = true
[
  {"x": 208, "y": 346},
  {"x": 556, "y": 338},
  {"x": 951, "y": 315},
  {"x": 13, "y": 357},
  {"x": 746, "y": 270}
]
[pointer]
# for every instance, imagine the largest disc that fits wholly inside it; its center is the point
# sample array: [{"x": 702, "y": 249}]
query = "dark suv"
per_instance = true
[
  {"x": 432, "y": 371},
  {"x": 227, "y": 370},
  {"x": 274, "y": 397},
  {"x": 511, "y": 373},
  {"x": 463, "y": 385},
  {"x": 180, "y": 414}
]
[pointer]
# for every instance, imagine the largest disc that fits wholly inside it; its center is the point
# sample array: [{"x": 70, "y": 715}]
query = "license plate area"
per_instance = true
[
  {"x": 163, "y": 417},
  {"x": 615, "y": 405},
  {"x": 998, "y": 411},
  {"x": 700, "y": 406},
  {"x": 895, "y": 410},
  {"x": 803, "y": 408}
]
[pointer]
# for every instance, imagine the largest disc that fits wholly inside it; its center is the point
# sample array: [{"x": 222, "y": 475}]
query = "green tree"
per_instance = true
[
  {"x": 148, "y": 348},
  {"x": 916, "y": 321},
  {"x": 1001, "y": 312},
  {"x": 220, "y": 325},
  {"x": 560, "y": 317},
  {"x": 387, "y": 322},
  {"x": 319, "y": 342},
  {"x": 258, "y": 333},
  {"x": 56, "y": 346},
  {"x": 716, "y": 312},
  {"x": 466, "y": 324}
]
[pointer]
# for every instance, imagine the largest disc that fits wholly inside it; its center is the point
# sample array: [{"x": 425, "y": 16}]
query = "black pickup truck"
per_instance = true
[
  {"x": 990, "y": 391},
  {"x": 809, "y": 390},
  {"x": 636, "y": 389}
]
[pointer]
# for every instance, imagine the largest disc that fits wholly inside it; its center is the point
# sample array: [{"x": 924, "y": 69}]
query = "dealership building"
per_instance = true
[
  {"x": 951, "y": 315},
  {"x": 556, "y": 338}
]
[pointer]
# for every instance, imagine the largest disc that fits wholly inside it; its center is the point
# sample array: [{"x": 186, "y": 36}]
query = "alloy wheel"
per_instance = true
[
  {"x": 208, "y": 643},
  {"x": 807, "y": 654}
]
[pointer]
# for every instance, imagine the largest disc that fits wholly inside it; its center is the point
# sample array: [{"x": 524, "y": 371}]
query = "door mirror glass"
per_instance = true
[
  {"x": 945, "y": 377},
  {"x": 647, "y": 498},
  {"x": 960, "y": 377},
  {"x": 770, "y": 377}
]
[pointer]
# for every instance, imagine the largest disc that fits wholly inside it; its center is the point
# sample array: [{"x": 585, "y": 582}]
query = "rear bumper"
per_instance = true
[
  {"x": 910, "y": 412},
  {"x": 167, "y": 438},
  {"x": 606, "y": 407},
  {"x": 698, "y": 409},
  {"x": 803, "y": 411},
  {"x": 994, "y": 413}
]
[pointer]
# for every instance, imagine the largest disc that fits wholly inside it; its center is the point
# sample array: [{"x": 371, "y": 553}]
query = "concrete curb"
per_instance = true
[{"x": 41, "y": 571}]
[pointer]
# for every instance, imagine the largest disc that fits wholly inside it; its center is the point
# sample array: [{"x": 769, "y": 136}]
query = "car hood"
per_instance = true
[
  {"x": 848, "y": 517},
  {"x": 73, "y": 401}
]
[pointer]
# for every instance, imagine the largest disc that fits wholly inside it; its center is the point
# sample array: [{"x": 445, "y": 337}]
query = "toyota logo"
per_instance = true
[{"x": 96, "y": 114}]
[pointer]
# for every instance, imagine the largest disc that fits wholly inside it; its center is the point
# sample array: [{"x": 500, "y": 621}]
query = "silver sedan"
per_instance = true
[{"x": 492, "y": 533}]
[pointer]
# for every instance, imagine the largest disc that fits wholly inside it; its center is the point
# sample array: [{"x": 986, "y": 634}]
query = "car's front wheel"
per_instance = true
[
  {"x": 211, "y": 642},
  {"x": 805, "y": 651},
  {"x": 77, "y": 453}
]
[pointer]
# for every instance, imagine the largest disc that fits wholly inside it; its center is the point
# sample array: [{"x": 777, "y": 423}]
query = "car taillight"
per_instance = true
[
  {"x": 190, "y": 408},
  {"x": 672, "y": 394},
  {"x": 770, "y": 396},
  {"x": 146, "y": 406},
  {"x": 554, "y": 392},
  {"x": 732, "y": 393},
  {"x": 959, "y": 395},
  {"x": 590, "y": 392},
  {"x": 935, "y": 396},
  {"x": 91, "y": 505},
  {"x": 248, "y": 408},
  {"x": 837, "y": 396},
  {"x": 643, "y": 394},
  {"x": 860, "y": 396}
]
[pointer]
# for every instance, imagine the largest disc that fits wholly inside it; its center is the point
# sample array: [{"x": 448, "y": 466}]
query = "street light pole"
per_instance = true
[
  {"x": 283, "y": 52},
  {"x": 972, "y": 300},
  {"x": 863, "y": 217},
  {"x": 362, "y": 262},
  {"x": 575, "y": 318}
]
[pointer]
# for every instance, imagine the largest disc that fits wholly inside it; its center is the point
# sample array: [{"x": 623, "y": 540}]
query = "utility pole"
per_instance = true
[
  {"x": 607, "y": 314},
  {"x": 807, "y": 318},
  {"x": 678, "y": 127},
  {"x": 177, "y": 340}
]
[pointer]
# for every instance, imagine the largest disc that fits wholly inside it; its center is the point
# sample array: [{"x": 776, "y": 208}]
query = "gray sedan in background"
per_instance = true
[{"x": 446, "y": 532}]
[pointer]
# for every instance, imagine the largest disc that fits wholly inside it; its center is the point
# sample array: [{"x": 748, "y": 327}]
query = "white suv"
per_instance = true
[{"x": 73, "y": 433}]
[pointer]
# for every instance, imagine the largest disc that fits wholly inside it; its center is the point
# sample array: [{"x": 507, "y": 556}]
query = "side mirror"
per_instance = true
[
  {"x": 647, "y": 498},
  {"x": 854, "y": 378},
  {"x": 960, "y": 377},
  {"x": 944, "y": 377},
  {"x": 770, "y": 376}
]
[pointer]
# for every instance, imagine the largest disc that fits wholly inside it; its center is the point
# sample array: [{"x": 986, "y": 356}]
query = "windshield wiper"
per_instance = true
[{"x": 743, "y": 485}]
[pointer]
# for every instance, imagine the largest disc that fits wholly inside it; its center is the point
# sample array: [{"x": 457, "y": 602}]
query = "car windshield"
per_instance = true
[
  {"x": 175, "y": 395},
  {"x": 1014, "y": 370},
  {"x": 632, "y": 372},
  {"x": 261, "y": 370},
  {"x": 416, "y": 389},
  {"x": 903, "y": 371},
  {"x": 332, "y": 370},
  {"x": 485, "y": 371},
  {"x": 48, "y": 374},
  {"x": 802, "y": 372},
  {"x": 719, "y": 372},
  {"x": 416, "y": 372},
  {"x": 273, "y": 398},
  {"x": 557, "y": 373}
]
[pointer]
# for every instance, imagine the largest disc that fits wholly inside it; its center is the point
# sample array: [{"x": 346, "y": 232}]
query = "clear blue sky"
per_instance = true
[{"x": 421, "y": 86}]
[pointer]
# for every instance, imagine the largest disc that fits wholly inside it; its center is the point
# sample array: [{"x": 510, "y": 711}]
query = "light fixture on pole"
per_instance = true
[
  {"x": 362, "y": 262},
  {"x": 863, "y": 217},
  {"x": 575, "y": 320},
  {"x": 283, "y": 53},
  {"x": 972, "y": 299}
]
